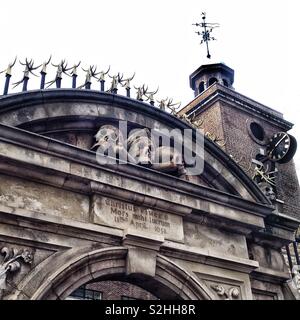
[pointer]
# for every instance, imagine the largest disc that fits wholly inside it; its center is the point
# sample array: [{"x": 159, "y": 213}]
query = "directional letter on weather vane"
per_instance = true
[{"x": 205, "y": 33}]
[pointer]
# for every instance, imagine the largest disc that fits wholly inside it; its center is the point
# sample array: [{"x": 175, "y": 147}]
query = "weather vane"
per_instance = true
[{"x": 205, "y": 33}]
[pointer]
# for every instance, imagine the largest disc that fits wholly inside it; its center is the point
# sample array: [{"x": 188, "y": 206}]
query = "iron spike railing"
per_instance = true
[{"x": 117, "y": 80}]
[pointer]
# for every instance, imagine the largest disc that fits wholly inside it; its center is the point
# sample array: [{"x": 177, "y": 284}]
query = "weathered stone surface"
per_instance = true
[
  {"x": 33, "y": 157},
  {"x": 18, "y": 193},
  {"x": 263, "y": 290},
  {"x": 268, "y": 257},
  {"x": 141, "y": 261},
  {"x": 218, "y": 275},
  {"x": 203, "y": 237}
]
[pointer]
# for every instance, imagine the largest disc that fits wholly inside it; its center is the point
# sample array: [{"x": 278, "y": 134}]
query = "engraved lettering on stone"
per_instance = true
[{"x": 125, "y": 215}]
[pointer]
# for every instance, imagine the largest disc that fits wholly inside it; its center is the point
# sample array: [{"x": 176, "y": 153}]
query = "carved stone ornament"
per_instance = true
[
  {"x": 110, "y": 142},
  {"x": 268, "y": 191},
  {"x": 138, "y": 148},
  {"x": 231, "y": 293},
  {"x": 12, "y": 263}
]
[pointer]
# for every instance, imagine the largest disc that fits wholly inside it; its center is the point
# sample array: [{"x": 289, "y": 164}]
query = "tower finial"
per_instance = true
[{"x": 205, "y": 33}]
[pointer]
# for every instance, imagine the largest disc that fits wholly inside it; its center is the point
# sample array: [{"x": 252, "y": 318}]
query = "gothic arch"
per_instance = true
[{"x": 59, "y": 275}]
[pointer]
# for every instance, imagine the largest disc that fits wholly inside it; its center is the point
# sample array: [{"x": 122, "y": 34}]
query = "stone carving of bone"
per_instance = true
[{"x": 168, "y": 159}]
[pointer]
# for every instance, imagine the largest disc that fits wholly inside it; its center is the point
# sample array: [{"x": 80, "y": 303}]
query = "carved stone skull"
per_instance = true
[
  {"x": 140, "y": 146},
  {"x": 107, "y": 136},
  {"x": 110, "y": 141},
  {"x": 268, "y": 190}
]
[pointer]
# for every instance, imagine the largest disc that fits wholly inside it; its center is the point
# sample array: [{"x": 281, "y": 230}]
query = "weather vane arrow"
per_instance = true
[{"x": 206, "y": 31}]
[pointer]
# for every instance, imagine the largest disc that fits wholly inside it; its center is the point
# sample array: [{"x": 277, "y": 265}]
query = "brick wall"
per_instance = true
[{"x": 115, "y": 290}]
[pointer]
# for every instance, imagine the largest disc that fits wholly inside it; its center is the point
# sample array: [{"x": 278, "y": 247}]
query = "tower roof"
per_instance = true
[{"x": 211, "y": 68}]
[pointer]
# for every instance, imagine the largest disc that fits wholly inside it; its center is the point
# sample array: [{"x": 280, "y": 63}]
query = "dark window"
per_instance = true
[
  {"x": 128, "y": 298},
  {"x": 257, "y": 131},
  {"x": 86, "y": 294},
  {"x": 201, "y": 87},
  {"x": 212, "y": 81},
  {"x": 225, "y": 83}
]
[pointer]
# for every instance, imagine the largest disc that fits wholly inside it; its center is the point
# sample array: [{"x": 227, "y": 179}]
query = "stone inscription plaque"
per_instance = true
[{"x": 124, "y": 215}]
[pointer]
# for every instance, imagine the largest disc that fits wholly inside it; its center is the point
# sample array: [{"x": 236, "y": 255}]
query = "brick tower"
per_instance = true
[{"x": 243, "y": 129}]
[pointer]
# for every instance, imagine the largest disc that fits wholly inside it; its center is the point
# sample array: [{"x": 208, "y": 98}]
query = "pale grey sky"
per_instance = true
[{"x": 258, "y": 39}]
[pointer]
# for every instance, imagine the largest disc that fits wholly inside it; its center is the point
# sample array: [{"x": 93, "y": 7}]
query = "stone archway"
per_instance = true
[{"x": 64, "y": 273}]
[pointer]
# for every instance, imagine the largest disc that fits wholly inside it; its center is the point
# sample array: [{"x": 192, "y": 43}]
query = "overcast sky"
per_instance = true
[{"x": 259, "y": 39}]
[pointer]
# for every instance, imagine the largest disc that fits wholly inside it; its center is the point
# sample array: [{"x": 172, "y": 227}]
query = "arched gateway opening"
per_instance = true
[{"x": 66, "y": 272}]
